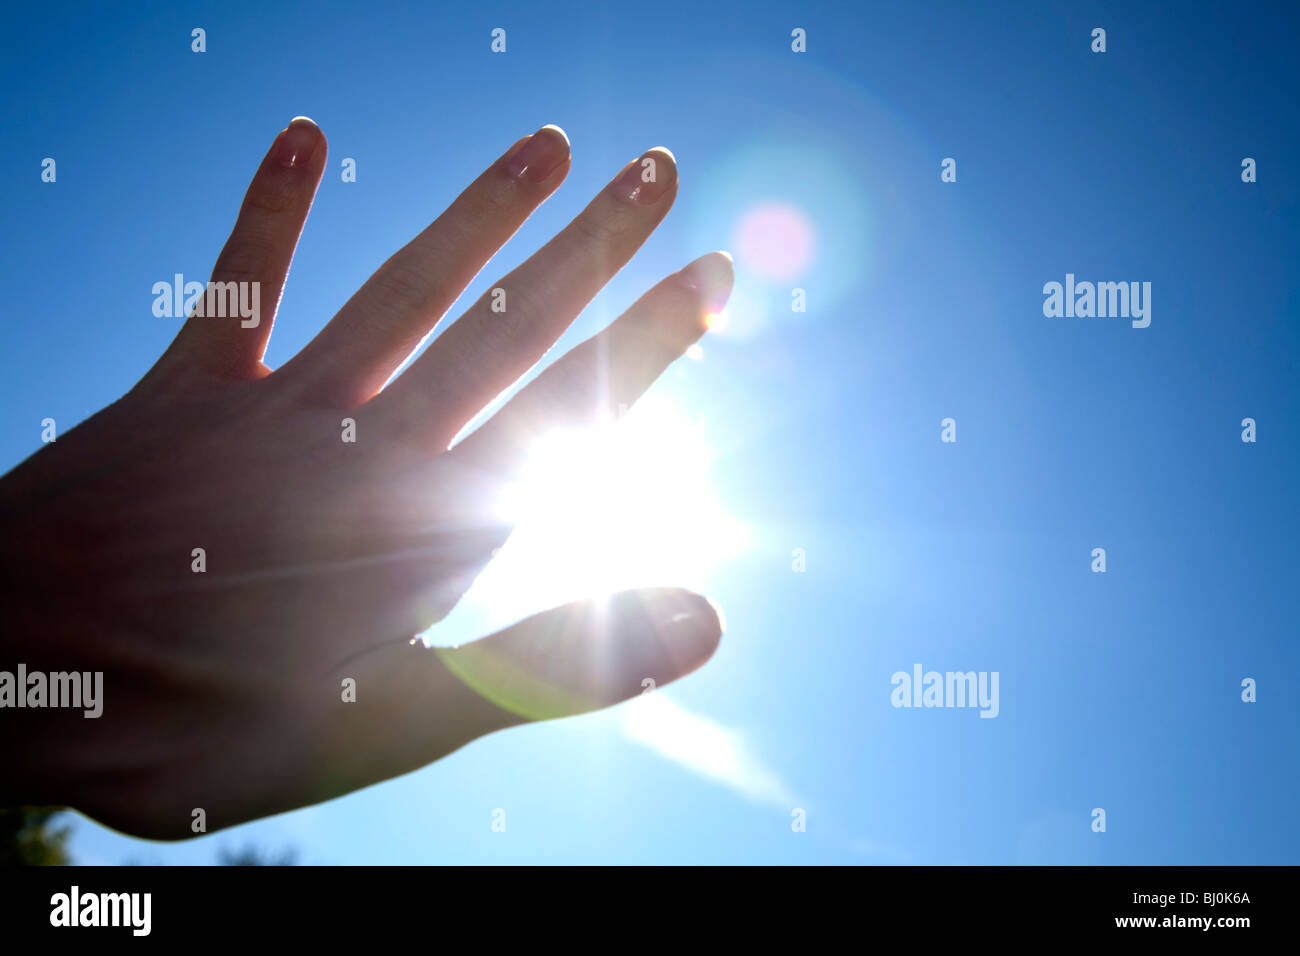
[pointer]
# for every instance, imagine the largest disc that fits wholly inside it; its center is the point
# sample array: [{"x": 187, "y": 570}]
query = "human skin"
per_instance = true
[{"x": 222, "y": 689}]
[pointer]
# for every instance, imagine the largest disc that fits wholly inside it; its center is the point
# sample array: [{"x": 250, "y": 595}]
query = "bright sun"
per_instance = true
[{"x": 622, "y": 505}]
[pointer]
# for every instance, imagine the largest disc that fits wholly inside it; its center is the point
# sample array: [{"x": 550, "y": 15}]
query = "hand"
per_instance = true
[{"x": 222, "y": 687}]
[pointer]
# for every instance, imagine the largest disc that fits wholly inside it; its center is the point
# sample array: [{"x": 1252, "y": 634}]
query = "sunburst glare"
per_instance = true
[{"x": 621, "y": 505}]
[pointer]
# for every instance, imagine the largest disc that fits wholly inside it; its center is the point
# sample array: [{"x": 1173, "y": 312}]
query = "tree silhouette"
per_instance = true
[
  {"x": 252, "y": 856},
  {"x": 27, "y": 837}
]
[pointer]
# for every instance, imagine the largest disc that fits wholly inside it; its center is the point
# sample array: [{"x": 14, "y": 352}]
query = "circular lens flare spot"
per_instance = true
[{"x": 775, "y": 240}]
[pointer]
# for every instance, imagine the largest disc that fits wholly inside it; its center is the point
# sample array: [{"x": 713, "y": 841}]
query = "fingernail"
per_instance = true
[
  {"x": 692, "y": 626},
  {"x": 722, "y": 617},
  {"x": 539, "y": 156},
  {"x": 296, "y": 142},
  {"x": 710, "y": 277},
  {"x": 647, "y": 179}
]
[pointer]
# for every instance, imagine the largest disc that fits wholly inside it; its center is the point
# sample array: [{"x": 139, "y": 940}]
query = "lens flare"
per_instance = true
[{"x": 775, "y": 240}]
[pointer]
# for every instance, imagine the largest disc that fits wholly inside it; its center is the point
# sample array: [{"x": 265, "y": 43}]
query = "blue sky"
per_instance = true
[{"x": 924, "y": 301}]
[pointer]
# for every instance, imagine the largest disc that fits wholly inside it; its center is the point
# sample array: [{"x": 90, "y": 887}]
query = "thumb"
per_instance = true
[
  {"x": 589, "y": 654},
  {"x": 569, "y": 660}
]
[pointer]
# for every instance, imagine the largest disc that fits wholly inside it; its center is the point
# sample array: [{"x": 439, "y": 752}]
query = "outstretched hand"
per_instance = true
[{"x": 215, "y": 548}]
